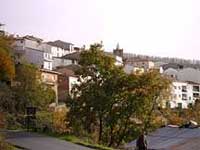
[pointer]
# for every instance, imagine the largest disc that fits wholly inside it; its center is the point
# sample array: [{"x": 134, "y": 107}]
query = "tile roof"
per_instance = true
[{"x": 61, "y": 44}]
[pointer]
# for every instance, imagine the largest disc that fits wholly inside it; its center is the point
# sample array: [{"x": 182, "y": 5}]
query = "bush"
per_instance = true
[
  {"x": 44, "y": 121},
  {"x": 14, "y": 122},
  {"x": 60, "y": 123},
  {"x": 4, "y": 145}
]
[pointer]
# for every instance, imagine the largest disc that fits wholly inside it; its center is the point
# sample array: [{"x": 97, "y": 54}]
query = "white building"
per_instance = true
[
  {"x": 183, "y": 94},
  {"x": 138, "y": 65},
  {"x": 60, "y": 49}
]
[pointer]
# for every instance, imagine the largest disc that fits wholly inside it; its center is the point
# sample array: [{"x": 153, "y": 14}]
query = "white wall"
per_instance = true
[
  {"x": 60, "y": 62},
  {"x": 72, "y": 82},
  {"x": 177, "y": 94}
]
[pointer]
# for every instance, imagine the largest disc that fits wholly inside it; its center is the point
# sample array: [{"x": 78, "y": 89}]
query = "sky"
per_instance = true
[{"x": 168, "y": 28}]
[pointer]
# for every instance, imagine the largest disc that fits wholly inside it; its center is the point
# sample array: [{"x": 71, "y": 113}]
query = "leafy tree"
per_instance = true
[
  {"x": 29, "y": 90},
  {"x": 7, "y": 70},
  {"x": 150, "y": 93},
  {"x": 7, "y": 103},
  {"x": 111, "y": 102}
]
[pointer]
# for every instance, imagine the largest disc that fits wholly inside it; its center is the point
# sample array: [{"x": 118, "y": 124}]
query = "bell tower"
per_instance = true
[{"x": 118, "y": 51}]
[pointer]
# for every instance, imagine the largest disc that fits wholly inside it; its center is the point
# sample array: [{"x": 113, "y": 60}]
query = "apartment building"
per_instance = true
[
  {"x": 32, "y": 50},
  {"x": 183, "y": 94}
]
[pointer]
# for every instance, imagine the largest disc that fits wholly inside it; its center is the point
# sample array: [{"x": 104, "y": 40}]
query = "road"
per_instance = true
[{"x": 34, "y": 141}]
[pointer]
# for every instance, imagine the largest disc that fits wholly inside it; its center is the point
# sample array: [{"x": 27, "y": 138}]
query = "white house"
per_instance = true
[
  {"x": 183, "y": 94},
  {"x": 61, "y": 48}
]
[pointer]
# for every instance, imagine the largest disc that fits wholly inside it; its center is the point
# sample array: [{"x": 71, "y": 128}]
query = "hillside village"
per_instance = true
[{"x": 58, "y": 61}]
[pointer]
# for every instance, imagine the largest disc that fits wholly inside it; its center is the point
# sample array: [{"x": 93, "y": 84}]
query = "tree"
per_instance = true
[
  {"x": 29, "y": 90},
  {"x": 95, "y": 95},
  {"x": 7, "y": 70},
  {"x": 152, "y": 90},
  {"x": 111, "y": 103}
]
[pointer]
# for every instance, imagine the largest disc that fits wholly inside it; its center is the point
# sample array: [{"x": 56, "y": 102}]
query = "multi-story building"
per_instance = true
[
  {"x": 183, "y": 94},
  {"x": 32, "y": 50},
  {"x": 66, "y": 80},
  {"x": 138, "y": 65},
  {"x": 61, "y": 48}
]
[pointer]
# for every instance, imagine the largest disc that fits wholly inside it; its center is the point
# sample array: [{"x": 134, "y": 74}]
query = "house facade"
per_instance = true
[
  {"x": 66, "y": 80},
  {"x": 31, "y": 49},
  {"x": 183, "y": 94},
  {"x": 50, "y": 78},
  {"x": 138, "y": 65}
]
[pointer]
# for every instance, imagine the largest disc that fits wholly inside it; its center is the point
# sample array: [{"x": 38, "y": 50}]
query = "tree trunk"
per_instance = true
[
  {"x": 111, "y": 137},
  {"x": 100, "y": 129}
]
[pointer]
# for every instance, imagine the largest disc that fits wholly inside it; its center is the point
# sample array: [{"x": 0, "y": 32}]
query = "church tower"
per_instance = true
[{"x": 118, "y": 51}]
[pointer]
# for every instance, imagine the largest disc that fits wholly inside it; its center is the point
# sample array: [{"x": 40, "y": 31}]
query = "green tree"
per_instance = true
[
  {"x": 152, "y": 91},
  {"x": 111, "y": 102},
  {"x": 29, "y": 90}
]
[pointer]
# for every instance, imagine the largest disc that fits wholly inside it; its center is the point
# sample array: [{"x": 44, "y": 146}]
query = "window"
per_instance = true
[
  {"x": 184, "y": 89},
  {"x": 180, "y": 105},
  {"x": 168, "y": 105},
  {"x": 49, "y": 65},
  {"x": 174, "y": 87},
  {"x": 196, "y": 88},
  {"x": 184, "y": 96},
  {"x": 196, "y": 95},
  {"x": 175, "y": 96}
]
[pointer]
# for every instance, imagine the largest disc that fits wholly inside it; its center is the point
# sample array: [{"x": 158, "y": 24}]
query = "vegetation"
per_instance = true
[
  {"x": 20, "y": 86},
  {"x": 110, "y": 106},
  {"x": 4, "y": 145},
  {"x": 7, "y": 71}
]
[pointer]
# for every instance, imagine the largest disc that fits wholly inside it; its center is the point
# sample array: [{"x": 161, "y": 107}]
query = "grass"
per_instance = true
[{"x": 79, "y": 141}]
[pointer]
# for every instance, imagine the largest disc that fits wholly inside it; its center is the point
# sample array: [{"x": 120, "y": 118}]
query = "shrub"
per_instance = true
[
  {"x": 60, "y": 123},
  {"x": 4, "y": 145},
  {"x": 13, "y": 122},
  {"x": 44, "y": 121}
]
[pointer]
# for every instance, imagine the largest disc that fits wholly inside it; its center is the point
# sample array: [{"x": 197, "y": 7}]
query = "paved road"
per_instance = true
[{"x": 33, "y": 141}]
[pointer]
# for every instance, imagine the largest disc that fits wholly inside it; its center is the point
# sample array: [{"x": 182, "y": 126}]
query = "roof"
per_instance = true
[
  {"x": 76, "y": 55},
  {"x": 73, "y": 56},
  {"x": 50, "y": 71},
  {"x": 68, "y": 70},
  {"x": 172, "y": 65},
  {"x": 61, "y": 44},
  {"x": 172, "y": 138}
]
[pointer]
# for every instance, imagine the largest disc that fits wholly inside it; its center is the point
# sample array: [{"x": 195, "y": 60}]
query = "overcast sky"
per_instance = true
[{"x": 153, "y": 27}]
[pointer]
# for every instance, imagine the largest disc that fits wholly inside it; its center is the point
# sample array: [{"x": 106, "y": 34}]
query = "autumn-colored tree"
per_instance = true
[{"x": 7, "y": 71}]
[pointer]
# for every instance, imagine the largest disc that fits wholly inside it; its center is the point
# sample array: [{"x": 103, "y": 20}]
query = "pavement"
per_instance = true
[{"x": 34, "y": 141}]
